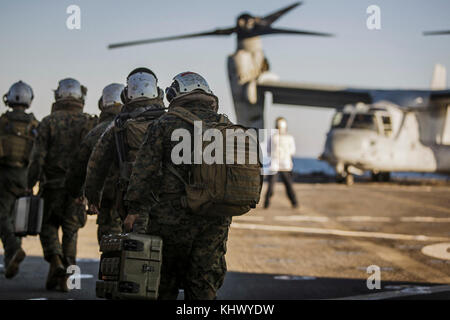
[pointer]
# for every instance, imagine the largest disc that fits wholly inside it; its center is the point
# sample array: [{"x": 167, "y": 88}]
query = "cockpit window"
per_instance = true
[
  {"x": 387, "y": 125},
  {"x": 364, "y": 121},
  {"x": 340, "y": 120}
]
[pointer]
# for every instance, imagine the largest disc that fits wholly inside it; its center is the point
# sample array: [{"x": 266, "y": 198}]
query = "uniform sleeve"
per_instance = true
[
  {"x": 146, "y": 174},
  {"x": 99, "y": 163},
  {"x": 78, "y": 167},
  {"x": 2, "y": 123},
  {"x": 38, "y": 153}
]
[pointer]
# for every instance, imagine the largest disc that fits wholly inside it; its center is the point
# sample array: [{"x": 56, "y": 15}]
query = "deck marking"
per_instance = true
[
  {"x": 406, "y": 292},
  {"x": 294, "y": 278},
  {"x": 81, "y": 276},
  {"x": 336, "y": 232},
  {"x": 424, "y": 219},
  {"x": 363, "y": 219},
  {"x": 438, "y": 250},
  {"x": 301, "y": 218},
  {"x": 400, "y": 261},
  {"x": 249, "y": 218}
]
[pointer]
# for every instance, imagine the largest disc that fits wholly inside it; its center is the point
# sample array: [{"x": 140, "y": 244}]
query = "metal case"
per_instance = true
[
  {"x": 130, "y": 267},
  {"x": 28, "y": 213}
]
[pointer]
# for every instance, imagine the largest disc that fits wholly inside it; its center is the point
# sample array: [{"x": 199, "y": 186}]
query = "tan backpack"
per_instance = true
[
  {"x": 16, "y": 139},
  {"x": 223, "y": 189}
]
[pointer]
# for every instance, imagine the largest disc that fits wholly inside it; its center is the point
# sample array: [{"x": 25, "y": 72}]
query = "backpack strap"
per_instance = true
[
  {"x": 119, "y": 140},
  {"x": 176, "y": 173},
  {"x": 185, "y": 115}
]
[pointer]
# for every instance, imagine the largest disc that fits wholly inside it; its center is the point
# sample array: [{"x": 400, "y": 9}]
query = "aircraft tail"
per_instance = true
[{"x": 439, "y": 80}]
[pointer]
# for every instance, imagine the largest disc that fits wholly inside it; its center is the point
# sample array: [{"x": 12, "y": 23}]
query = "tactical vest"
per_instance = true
[{"x": 17, "y": 133}]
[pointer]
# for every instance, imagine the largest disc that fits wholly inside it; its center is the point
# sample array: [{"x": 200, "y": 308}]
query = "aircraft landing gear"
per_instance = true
[
  {"x": 345, "y": 177},
  {"x": 349, "y": 179}
]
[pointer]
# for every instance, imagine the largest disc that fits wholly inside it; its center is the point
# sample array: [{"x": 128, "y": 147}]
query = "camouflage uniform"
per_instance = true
[
  {"x": 13, "y": 173},
  {"x": 104, "y": 157},
  {"x": 59, "y": 138},
  {"x": 108, "y": 219},
  {"x": 194, "y": 246}
]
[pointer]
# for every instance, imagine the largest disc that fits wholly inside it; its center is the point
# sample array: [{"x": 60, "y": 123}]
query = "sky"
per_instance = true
[{"x": 38, "y": 48}]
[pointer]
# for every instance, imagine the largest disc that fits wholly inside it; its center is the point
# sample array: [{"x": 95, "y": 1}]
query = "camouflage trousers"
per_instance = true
[
  {"x": 108, "y": 220},
  {"x": 193, "y": 252},
  {"x": 12, "y": 185},
  {"x": 61, "y": 211}
]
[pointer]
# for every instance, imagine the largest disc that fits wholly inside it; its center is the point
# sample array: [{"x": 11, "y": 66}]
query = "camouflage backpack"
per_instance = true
[
  {"x": 230, "y": 187},
  {"x": 17, "y": 133}
]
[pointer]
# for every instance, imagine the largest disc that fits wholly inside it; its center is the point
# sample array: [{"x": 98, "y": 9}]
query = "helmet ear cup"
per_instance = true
[
  {"x": 170, "y": 94},
  {"x": 100, "y": 103},
  {"x": 124, "y": 95},
  {"x": 5, "y": 99},
  {"x": 172, "y": 91}
]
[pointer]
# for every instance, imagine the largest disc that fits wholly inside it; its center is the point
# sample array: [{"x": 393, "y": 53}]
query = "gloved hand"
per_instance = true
[{"x": 129, "y": 222}]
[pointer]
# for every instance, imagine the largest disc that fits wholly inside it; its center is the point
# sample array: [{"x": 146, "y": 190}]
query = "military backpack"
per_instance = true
[
  {"x": 17, "y": 133},
  {"x": 129, "y": 131},
  {"x": 230, "y": 186}
]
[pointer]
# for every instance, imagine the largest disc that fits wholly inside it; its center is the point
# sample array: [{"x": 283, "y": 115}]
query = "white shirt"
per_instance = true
[{"x": 281, "y": 149}]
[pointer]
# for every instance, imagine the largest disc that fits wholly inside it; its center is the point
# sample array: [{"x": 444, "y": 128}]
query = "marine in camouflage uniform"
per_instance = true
[
  {"x": 108, "y": 219},
  {"x": 59, "y": 137},
  {"x": 17, "y": 132},
  {"x": 131, "y": 124},
  {"x": 194, "y": 246}
]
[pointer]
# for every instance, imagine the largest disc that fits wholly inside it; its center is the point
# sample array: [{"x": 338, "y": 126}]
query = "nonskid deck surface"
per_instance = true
[{"x": 318, "y": 251}]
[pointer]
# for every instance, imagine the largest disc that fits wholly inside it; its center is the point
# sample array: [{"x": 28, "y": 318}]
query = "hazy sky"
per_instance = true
[{"x": 38, "y": 48}]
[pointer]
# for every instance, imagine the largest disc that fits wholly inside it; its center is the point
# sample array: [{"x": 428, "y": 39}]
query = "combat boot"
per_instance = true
[
  {"x": 55, "y": 272},
  {"x": 62, "y": 279},
  {"x": 62, "y": 283},
  {"x": 12, "y": 267}
]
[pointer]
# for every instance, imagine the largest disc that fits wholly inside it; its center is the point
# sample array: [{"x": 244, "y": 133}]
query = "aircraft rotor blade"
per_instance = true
[
  {"x": 217, "y": 32},
  {"x": 298, "y": 32},
  {"x": 435, "y": 33},
  {"x": 271, "y": 18}
]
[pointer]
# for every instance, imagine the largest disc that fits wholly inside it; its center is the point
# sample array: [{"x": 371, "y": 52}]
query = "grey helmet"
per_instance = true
[
  {"x": 70, "y": 89},
  {"x": 20, "y": 93},
  {"x": 186, "y": 82},
  {"x": 111, "y": 96},
  {"x": 142, "y": 84}
]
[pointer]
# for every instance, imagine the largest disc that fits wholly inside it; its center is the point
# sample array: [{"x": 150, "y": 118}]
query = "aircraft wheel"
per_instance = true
[
  {"x": 385, "y": 176},
  {"x": 349, "y": 180},
  {"x": 376, "y": 176},
  {"x": 340, "y": 178}
]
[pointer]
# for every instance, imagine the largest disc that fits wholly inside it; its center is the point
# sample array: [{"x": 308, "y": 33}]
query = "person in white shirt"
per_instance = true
[{"x": 281, "y": 149}]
